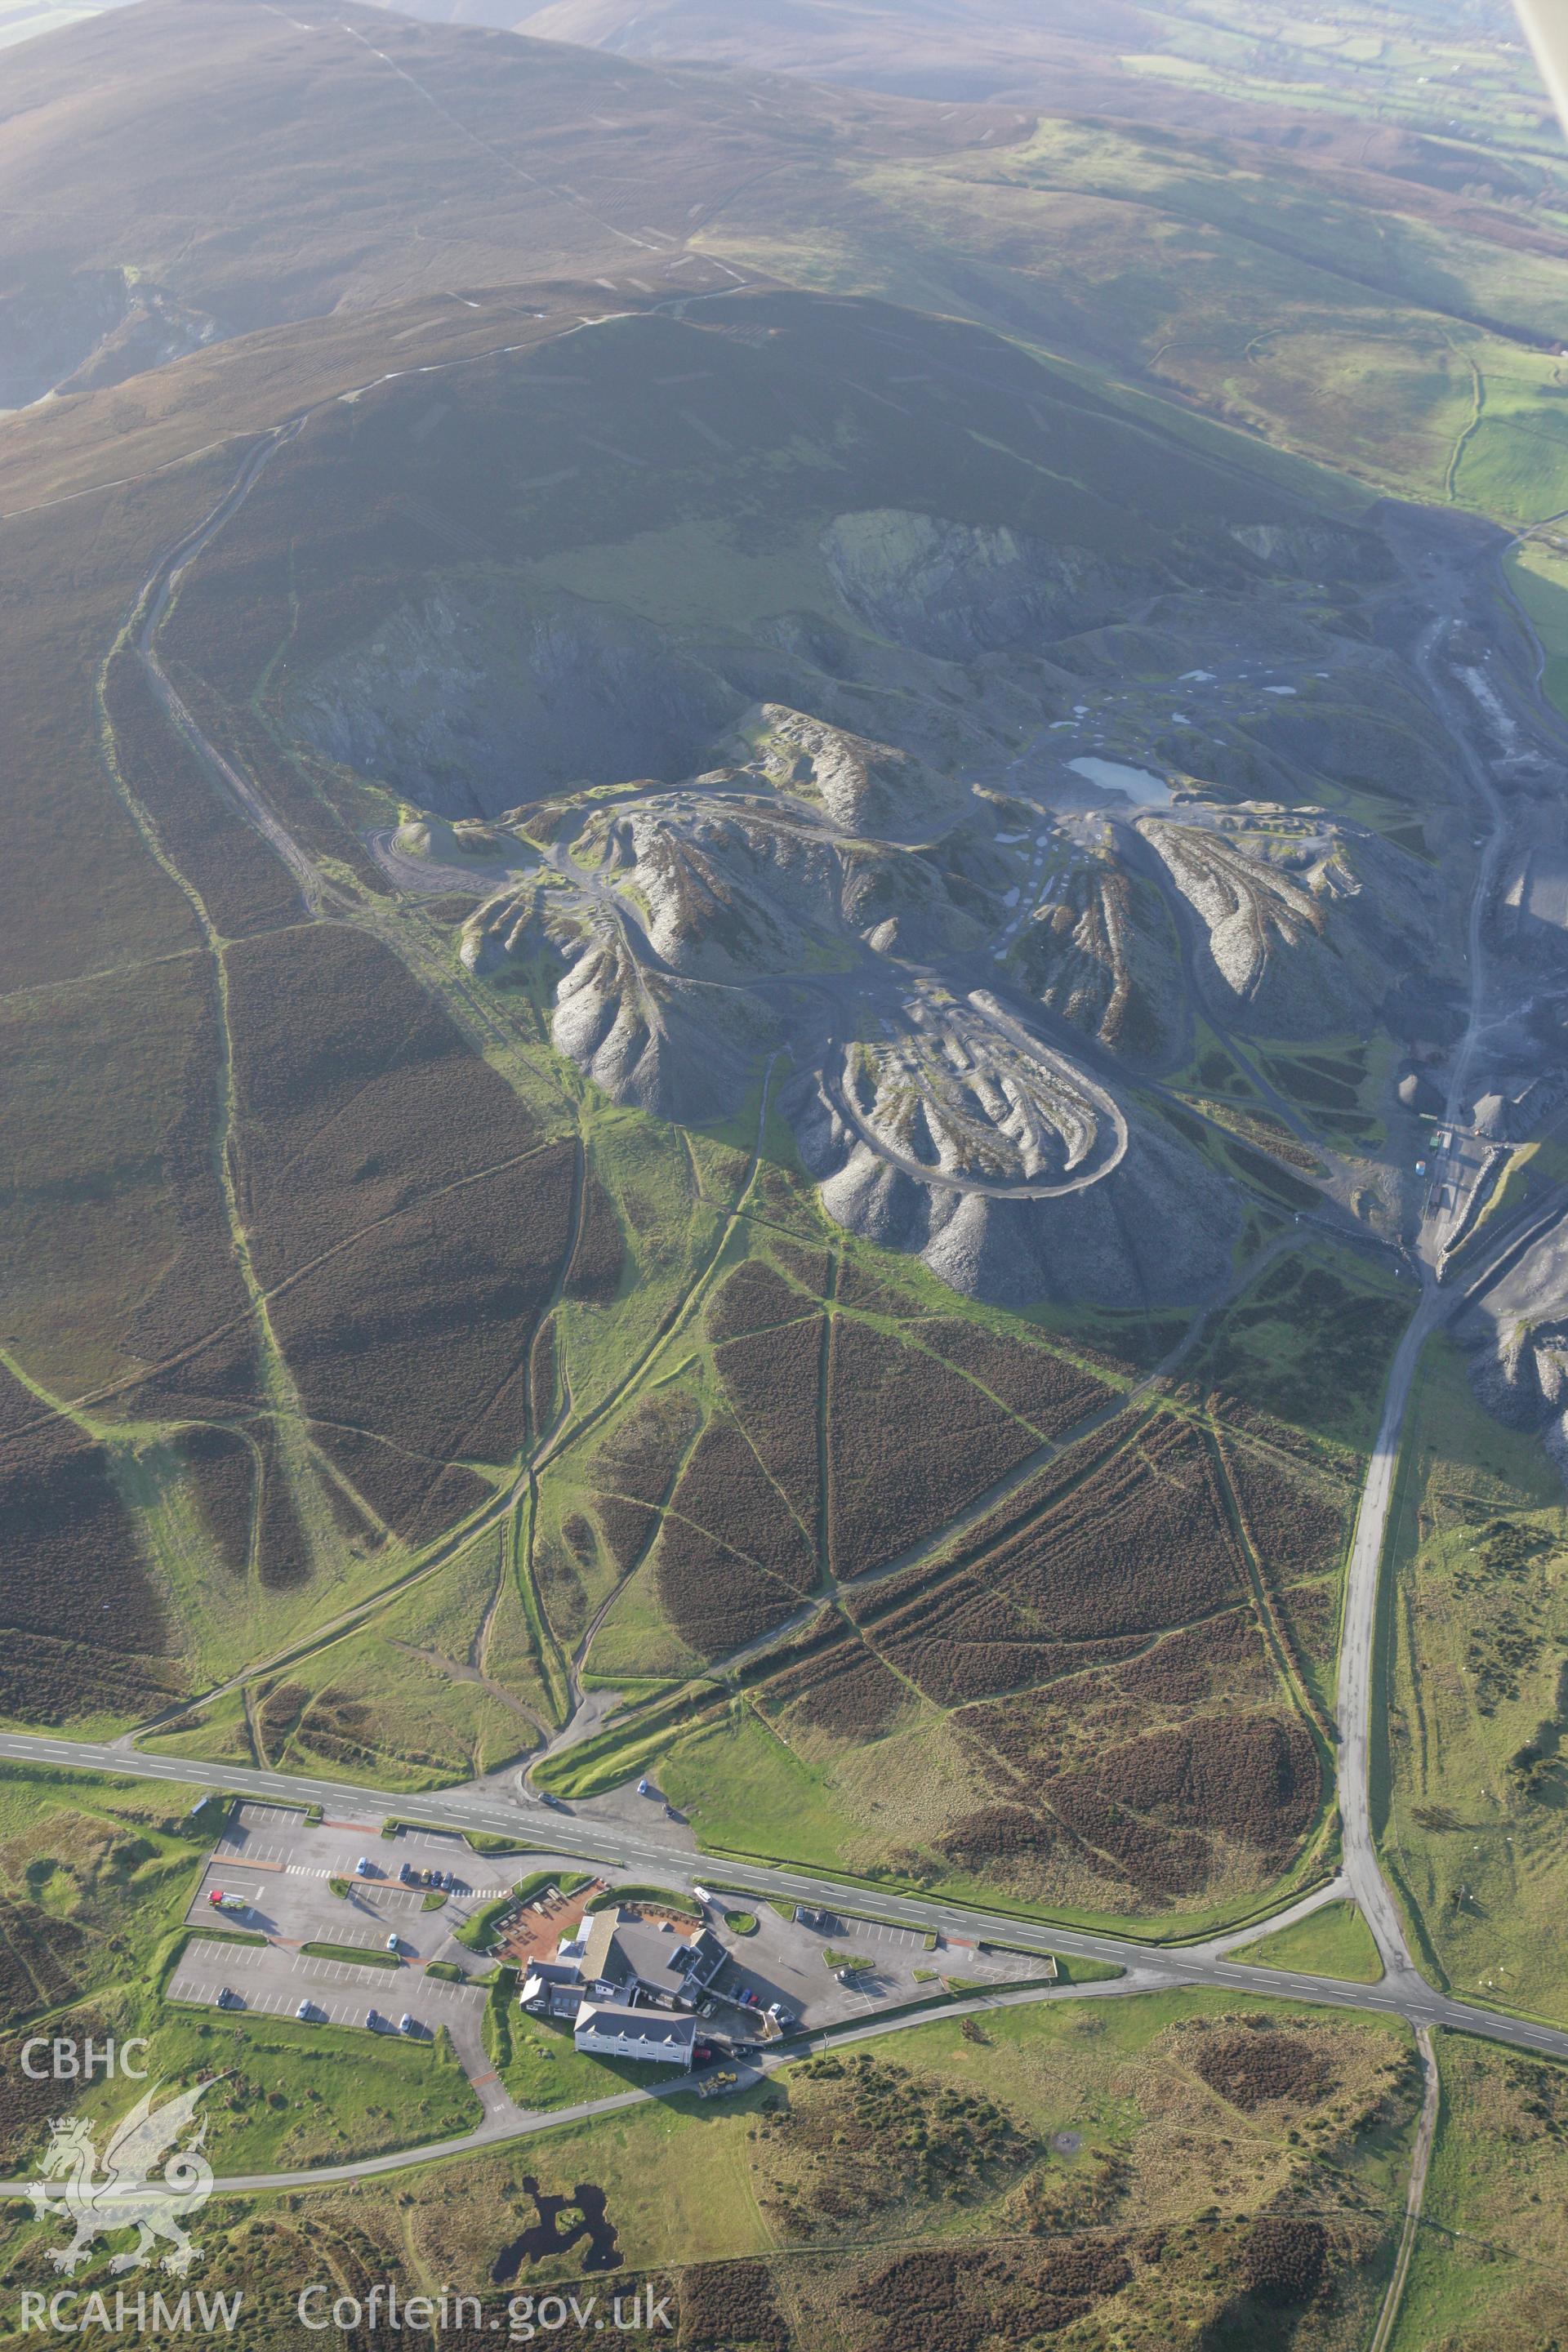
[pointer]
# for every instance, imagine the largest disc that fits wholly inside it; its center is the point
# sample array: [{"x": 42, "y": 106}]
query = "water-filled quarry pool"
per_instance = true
[{"x": 1140, "y": 785}]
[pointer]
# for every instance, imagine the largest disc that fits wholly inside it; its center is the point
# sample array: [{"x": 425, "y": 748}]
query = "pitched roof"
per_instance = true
[
  {"x": 622, "y": 1949},
  {"x": 658, "y": 2025},
  {"x": 707, "y": 1953},
  {"x": 598, "y": 1957}
]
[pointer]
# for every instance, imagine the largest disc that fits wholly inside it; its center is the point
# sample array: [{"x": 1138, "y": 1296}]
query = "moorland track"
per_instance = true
[{"x": 1403, "y": 1991}]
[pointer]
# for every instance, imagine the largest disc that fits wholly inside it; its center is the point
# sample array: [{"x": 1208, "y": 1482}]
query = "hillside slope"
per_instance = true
[{"x": 232, "y": 166}]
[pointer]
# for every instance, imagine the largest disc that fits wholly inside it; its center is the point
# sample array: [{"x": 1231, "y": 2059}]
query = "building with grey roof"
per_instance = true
[
  {"x": 656, "y": 2036},
  {"x": 625, "y": 1958}
]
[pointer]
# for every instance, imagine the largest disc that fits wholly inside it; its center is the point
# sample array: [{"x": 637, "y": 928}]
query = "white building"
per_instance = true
[{"x": 657, "y": 2036}]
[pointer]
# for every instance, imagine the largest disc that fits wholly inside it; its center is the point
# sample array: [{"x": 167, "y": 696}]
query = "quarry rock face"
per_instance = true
[
  {"x": 866, "y": 854},
  {"x": 1418, "y": 1092},
  {"x": 1520, "y": 1375},
  {"x": 959, "y": 590}
]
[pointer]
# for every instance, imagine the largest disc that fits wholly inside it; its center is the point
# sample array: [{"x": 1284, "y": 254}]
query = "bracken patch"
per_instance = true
[
  {"x": 911, "y": 1443},
  {"x": 752, "y": 1298},
  {"x": 716, "y": 1599},
  {"x": 725, "y": 1490},
  {"x": 845, "y": 1690},
  {"x": 70, "y": 1565},
  {"x": 641, "y": 1457},
  {"x": 406, "y": 1218},
  {"x": 730, "y": 2307},
  {"x": 1256, "y": 2065},
  {"x": 1283, "y": 2260},
  {"x": 1297, "y": 1522},
  {"x": 49, "y": 1681},
  {"x": 1049, "y": 1391},
  {"x": 772, "y": 1379},
  {"x": 965, "y": 2300},
  {"x": 600, "y": 1253},
  {"x": 243, "y": 886},
  {"x": 222, "y": 1469}
]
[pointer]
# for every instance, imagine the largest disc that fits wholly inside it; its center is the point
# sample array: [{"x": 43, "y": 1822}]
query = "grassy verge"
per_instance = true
[
  {"x": 477, "y": 1934},
  {"x": 1473, "y": 1765},
  {"x": 362, "y": 1956},
  {"x": 664, "y": 1897},
  {"x": 1491, "y": 2267},
  {"x": 566, "y": 1882},
  {"x": 1333, "y": 1942},
  {"x": 541, "y": 2066}
]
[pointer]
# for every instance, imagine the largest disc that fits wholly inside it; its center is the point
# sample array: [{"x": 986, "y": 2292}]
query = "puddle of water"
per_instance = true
[
  {"x": 1113, "y": 776},
  {"x": 548, "y": 2236}
]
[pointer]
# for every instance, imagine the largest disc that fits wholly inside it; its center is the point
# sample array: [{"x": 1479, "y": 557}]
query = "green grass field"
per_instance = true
[
  {"x": 96, "y": 1876},
  {"x": 1172, "y": 2121},
  {"x": 1490, "y": 2270},
  {"x": 541, "y": 2066},
  {"x": 1538, "y": 570},
  {"x": 1333, "y": 1942},
  {"x": 286, "y": 2093},
  {"x": 1478, "y": 1601}
]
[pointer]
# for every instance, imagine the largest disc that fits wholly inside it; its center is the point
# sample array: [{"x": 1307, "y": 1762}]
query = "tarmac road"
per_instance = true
[
  {"x": 1363, "y": 1871},
  {"x": 548, "y": 1836}
]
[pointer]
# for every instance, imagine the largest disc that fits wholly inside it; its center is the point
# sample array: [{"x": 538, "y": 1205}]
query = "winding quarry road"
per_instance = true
[
  {"x": 1363, "y": 1872},
  {"x": 543, "y": 1835}
]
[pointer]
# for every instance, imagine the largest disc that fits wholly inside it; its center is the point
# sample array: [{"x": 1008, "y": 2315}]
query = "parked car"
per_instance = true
[
  {"x": 405, "y": 1873},
  {"x": 556, "y": 1804},
  {"x": 745, "y": 2050},
  {"x": 373, "y": 2019},
  {"x": 306, "y": 2009},
  {"x": 781, "y": 2017},
  {"x": 406, "y": 2024},
  {"x": 364, "y": 1867},
  {"x": 391, "y": 1944},
  {"x": 228, "y": 1998},
  {"x": 643, "y": 1789}
]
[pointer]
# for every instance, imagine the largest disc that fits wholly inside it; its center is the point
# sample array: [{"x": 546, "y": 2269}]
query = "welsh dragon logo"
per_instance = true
[{"x": 126, "y": 2195}]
